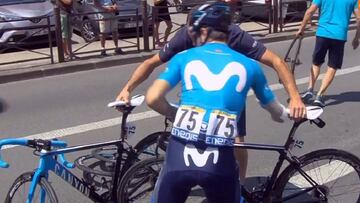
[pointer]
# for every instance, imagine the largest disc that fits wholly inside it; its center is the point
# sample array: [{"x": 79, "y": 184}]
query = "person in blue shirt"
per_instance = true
[
  {"x": 331, "y": 36},
  {"x": 215, "y": 80}
]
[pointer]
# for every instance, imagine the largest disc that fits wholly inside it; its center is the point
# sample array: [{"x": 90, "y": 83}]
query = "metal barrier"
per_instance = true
[
  {"x": 292, "y": 12},
  {"x": 155, "y": 14},
  {"x": 264, "y": 23},
  {"x": 121, "y": 20},
  {"x": 272, "y": 22},
  {"x": 18, "y": 41}
]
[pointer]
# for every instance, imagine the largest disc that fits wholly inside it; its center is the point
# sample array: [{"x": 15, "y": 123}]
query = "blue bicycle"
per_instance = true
[{"x": 34, "y": 186}]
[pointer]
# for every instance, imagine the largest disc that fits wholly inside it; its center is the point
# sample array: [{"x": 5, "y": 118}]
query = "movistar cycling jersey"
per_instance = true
[{"x": 215, "y": 81}]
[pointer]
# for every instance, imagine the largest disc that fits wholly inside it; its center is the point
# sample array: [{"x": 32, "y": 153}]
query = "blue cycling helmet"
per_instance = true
[{"x": 216, "y": 16}]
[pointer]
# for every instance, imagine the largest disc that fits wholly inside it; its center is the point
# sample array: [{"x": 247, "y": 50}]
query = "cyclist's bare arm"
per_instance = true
[
  {"x": 141, "y": 73},
  {"x": 155, "y": 98},
  {"x": 296, "y": 106}
]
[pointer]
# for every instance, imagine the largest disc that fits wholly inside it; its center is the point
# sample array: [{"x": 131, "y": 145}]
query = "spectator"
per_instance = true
[
  {"x": 331, "y": 36},
  {"x": 162, "y": 14},
  {"x": 66, "y": 7},
  {"x": 108, "y": 24}
]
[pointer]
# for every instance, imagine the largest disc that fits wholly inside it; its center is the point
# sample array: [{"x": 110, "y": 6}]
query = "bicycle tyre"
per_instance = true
[
  {"x": 83, "y": 164},
  {"x": 109, "y": 154},
  {"x": 141, "y": 173},
  {"x": 27, "y": 178},
  {"x": 289, "y": 180},
  {"x": 142, "y": 147}
]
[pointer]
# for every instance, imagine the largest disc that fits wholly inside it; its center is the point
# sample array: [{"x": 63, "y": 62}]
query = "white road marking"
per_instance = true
[{"x": 147, "y": 114}]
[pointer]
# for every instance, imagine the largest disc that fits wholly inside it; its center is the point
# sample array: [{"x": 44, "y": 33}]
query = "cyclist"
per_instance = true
[
  {"x": 215, "y": 81},
  {"x": 238, "y": 40}
]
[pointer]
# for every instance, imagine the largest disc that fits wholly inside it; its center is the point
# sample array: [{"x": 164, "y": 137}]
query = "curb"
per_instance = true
[{"x": 71, "y": 67}]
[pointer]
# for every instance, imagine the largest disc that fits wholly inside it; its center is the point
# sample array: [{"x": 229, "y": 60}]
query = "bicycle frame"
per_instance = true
[
  {"x": 48, "y": 162},
  {"x": 283, "y": 155}
]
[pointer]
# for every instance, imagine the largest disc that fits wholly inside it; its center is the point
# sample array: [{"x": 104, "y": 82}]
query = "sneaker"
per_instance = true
[
  {"x": 118, "y": 51},
  {"x": 319, "y": 101},
  {"x": 306, "y": 96},
  {"x": 103, "y": 53}
]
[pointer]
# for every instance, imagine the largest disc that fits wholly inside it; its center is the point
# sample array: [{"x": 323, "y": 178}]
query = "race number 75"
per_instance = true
[{"x": 189, "y": 119}]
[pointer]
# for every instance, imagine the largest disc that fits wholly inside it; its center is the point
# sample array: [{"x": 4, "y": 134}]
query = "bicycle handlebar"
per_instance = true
[{"x": 33, "y": 143}]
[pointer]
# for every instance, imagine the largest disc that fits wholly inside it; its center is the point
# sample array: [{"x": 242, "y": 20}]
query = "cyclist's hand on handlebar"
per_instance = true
[{"x": 297, "y": 109}]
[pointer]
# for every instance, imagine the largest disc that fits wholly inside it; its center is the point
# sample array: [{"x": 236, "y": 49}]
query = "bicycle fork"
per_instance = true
[{"x": 41, "y": 172}]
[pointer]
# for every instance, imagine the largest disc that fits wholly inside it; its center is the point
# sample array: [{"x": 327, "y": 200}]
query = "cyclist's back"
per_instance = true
[{"x": 215, "y": 82}]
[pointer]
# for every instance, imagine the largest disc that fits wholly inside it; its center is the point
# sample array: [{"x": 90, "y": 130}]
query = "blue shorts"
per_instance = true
[
  {"x": 335, "y": 48},
  {"x": 188, "y": 164}
]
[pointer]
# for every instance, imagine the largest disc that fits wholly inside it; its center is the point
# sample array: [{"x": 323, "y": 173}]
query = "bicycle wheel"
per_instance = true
[
  {"x": 20, "y": 188},
  {"x": 145, "y": 148},
  {"x": 89, "y": 164},
  {"x": 335, "y": 171},
  {"x": 139, "y": 181}
]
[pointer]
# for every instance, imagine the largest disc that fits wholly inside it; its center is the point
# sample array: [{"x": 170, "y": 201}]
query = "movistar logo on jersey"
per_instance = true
[
  {"x": 199, "y": 159},
  {"x": 214, "y": 82}
]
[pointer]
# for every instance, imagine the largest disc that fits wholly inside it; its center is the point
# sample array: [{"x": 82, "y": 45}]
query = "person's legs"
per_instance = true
[
  {"x": 326, "y": 81},
  {"x": 65, "y": 35},
  {"x": 156, "y": 33},
  {"x": 115, "y": 36},
  {"x": 169, "y": 26},
  {"x": 220, "y": 188},
  {"x": 314, "y": 74},
  {"x": 241, "y": 156},
  {"x": 336, "y": 55},
  {"x": 320, "y": 50},
  {"x": 104, "y": 26}
]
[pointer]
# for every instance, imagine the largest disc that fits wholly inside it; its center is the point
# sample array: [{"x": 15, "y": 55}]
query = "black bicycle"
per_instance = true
[
  {"x": 34, "y": 186},
  {"x": 326, "y": 175}
]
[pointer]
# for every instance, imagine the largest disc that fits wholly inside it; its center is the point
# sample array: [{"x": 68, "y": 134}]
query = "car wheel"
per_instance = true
[{"x": 88, "y": 30}]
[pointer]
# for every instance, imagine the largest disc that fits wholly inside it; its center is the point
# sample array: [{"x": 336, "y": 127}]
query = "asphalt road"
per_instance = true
[{"x": 59, "y": 106}]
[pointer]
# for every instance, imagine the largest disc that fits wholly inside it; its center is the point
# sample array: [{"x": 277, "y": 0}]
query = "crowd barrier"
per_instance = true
[{"x": 272, "y": 20}]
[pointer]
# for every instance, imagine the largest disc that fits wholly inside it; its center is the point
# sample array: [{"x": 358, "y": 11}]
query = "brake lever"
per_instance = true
[{"x": 318, "y": 122}]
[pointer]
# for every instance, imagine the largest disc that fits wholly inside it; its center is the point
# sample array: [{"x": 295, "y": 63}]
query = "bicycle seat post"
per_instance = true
[{"x": 126, "y": 111}]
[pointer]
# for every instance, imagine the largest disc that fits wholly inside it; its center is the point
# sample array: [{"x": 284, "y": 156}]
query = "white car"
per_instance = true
[{"x": 13, "y": 14}]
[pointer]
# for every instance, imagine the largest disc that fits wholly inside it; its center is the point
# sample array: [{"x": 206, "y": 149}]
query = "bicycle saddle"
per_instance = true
[
  {"x": 136, "y": 100},
  {"x": 312, "y": 112}
]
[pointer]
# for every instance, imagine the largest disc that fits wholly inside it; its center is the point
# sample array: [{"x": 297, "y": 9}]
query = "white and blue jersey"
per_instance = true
[{"x": 215, "y": 81}]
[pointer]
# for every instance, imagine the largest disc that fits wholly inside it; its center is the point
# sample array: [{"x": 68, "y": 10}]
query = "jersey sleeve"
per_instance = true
[
  {"x": 172, "y": 73},
  {"x": 180, "y": 42},
  {"x": 261, "y": 87},
  {"x": 317, "y": 2},
  {"x": 357, "y": 6},
  {"x": 244, "y": 43}
]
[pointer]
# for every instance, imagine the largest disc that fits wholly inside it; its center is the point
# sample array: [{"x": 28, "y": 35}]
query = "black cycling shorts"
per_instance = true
[
  {"x": 334, "y": 47},
  {"x": 188, "y": 164}
]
